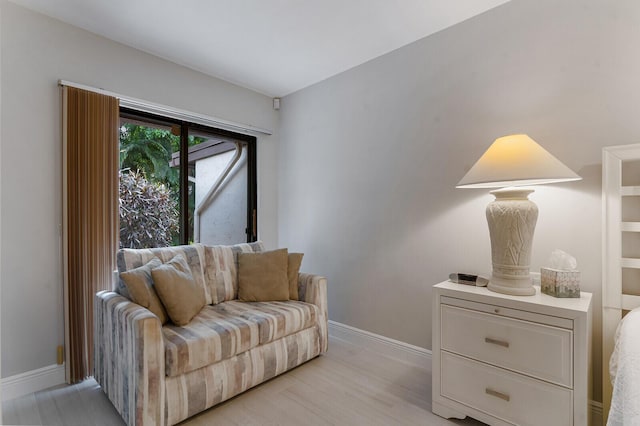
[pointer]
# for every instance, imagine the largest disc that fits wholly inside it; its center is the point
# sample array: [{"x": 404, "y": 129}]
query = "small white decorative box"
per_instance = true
[{"x": 559, "y": 283}]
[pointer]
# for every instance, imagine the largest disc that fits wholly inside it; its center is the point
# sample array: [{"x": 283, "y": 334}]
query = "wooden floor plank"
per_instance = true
[
  {"x": 9, "y": 414},
  {"x": 97, "y": 403},
  {"x": 27, "y": 411},
  {"x": 349, "y": 385},
  {"x": 70, "y": 407},
  {"x": 47, "y": 407}
]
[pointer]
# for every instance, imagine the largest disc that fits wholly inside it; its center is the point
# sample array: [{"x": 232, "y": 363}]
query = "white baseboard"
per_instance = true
[
  {"x": 410, "y": 354},
  {"x": 32, "y": 381}
]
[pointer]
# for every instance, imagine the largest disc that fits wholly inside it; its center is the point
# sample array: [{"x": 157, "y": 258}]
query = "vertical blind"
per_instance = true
[{"x": 90, "y": 192}]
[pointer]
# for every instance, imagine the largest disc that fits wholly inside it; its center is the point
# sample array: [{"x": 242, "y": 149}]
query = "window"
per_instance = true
[{"x": 209, "y": 198}]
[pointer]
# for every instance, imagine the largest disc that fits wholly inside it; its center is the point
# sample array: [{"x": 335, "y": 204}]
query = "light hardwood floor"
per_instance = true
[{"x": 349, "y": 385}]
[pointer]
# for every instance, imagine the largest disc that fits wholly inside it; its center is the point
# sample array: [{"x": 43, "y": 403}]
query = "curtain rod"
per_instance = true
[{"x": 167, "y": 111}]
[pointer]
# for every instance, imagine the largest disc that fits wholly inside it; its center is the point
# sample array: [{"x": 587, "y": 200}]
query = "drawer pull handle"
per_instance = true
[
  {"x": 496, "y": 342},
  {"x": 497, "y": 394}
]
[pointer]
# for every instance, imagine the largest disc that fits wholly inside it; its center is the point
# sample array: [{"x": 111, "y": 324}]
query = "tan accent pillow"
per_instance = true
[
  {"x": 141, "y": 289},
  {"x": 177, "y": 289},
  {"x": 262, "y": 277},
  {"x": 295, "y": 260}
]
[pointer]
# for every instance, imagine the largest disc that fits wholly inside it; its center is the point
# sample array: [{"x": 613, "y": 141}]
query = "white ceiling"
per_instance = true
[{"x": 275, "y": 47}]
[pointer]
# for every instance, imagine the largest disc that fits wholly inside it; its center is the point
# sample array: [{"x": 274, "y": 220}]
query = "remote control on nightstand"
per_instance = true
[{"x": 468, "y": 279}]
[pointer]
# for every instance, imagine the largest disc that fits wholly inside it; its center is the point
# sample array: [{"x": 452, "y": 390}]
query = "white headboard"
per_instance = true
[{"x": 620, "y": 165}]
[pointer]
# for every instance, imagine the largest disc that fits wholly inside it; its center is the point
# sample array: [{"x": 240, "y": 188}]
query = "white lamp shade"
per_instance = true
[{"x": 513, "y": 161}]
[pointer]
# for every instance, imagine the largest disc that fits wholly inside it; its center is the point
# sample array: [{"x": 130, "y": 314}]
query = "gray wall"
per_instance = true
[
  {"x": 36, "y": 52},
  {"x": 369, "y": 158}
]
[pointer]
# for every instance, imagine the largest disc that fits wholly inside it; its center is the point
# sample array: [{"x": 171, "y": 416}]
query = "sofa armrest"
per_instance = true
[
  {"x": 129, "y": 358},
  {"x": 313, "y": 289}
]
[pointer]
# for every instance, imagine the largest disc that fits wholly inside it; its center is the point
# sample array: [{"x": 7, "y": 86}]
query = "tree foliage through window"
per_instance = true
[
  {"x": 146, "y": 152},
  {"x": 149, "y": 187},
  {"x": 149, "y": 214}
]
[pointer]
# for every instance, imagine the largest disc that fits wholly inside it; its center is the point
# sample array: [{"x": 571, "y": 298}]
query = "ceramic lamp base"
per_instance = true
[
  {"x": 512, "y": 220},
  {"x": 512, "y": 287}
]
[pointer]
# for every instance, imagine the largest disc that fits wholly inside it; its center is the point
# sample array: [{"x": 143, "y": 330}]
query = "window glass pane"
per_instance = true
[
  {"x": 149, "y": 185},
  {"x": 211, "y": 198},
  {"x": 219, "y": 180}
]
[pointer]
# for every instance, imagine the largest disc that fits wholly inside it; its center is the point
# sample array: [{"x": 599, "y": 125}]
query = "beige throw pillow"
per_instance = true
[
  {"x": 262, "y": 277},
  {"x": 177, "y": 289},
  {"x": 141, "y": 289},
  {"x": 295, "y": 260}
]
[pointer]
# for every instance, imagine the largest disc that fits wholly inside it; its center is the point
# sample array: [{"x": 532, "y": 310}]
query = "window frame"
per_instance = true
[{"x": 251, "y": 229}]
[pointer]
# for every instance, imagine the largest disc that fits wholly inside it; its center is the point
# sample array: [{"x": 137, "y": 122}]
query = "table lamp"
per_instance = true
[{"x": 510, "y": 162}]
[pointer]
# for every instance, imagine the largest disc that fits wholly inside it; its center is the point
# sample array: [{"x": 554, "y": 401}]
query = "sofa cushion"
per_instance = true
[
  {"x": 141, "y": 289},
  {"x": 133, "y": 258},
  {"x": 224, "y": 330},
  {"x": 262, "y": 277},
  {"x": 179, "y": 293},
  {"x": 295, "y": 260},
  {"x": 220, "y": 268}
]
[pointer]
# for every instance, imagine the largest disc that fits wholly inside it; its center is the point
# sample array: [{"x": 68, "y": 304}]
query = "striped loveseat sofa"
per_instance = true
[{"x": 161, "y": 375}]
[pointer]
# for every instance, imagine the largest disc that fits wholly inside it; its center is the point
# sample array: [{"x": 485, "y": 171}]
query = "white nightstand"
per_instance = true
[{"x": 510, "y": 360}]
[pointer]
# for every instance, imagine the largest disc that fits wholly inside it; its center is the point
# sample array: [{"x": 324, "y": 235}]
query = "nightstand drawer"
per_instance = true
[
  {"x": 537, "y": 350},
  {"x": 509, "y": 396}
]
